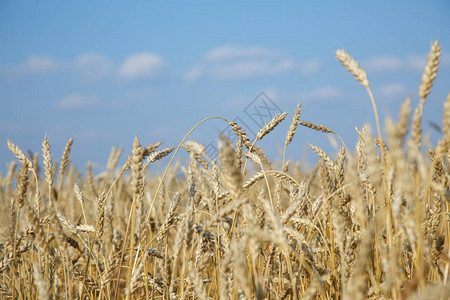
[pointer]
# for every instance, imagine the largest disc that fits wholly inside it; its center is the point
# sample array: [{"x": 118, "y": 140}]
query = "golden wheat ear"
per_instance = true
[{"x": 428, "y": 77}]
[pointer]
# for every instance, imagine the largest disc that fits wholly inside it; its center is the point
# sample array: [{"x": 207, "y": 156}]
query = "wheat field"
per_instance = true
[{"x": 371, "y": 223}]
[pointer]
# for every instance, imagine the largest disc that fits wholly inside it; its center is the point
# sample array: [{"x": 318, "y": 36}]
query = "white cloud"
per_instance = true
[
  {"x": 76, "y": 101},
  {"x": 93, "y": 66},
  {"x": 445, "y": 58},
  {"x": 33, "y": 65},
  {"x": 90, "y": 66},
  {"x": 391, "y": 90},
  {"x": 310, "y": 66},
  {"x": 194, "y": 73},
  {"x": 228, "y": 52},
  {"x": 141, "y": 65},
  {"x": 416, "y": 62},
  {"x": 390, "y": 63},
  {"x": 324, "y": 92},
  {"x": 272, "y": 92},
  {"x": 252, "y": 68},
  {"x": 41, "y": 64},
  {"x": 237, "y": 62},
  {"x": 383, "y": 63}
]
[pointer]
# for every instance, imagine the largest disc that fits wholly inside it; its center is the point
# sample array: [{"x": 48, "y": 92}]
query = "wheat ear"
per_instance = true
[
  {"x": 293, "y": 126},
  {"x": 353, "y": 67},
  {"x": 430, "y": 72},
  {"x": 361, "y": 76},
  {"x": 64, "y": 163},
  {"x": 268, "y": 127},
  {"x": 428, "y": 76},
  {"x": 23, "y": 159}
]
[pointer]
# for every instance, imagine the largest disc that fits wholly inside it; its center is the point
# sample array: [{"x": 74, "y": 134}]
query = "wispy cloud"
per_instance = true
[
  {"x": 142, "y": 65},
  {"x": 93, "y": 66},
  {"x": 33, "y": 65},
  {"x": 90, "y": 66},
  {"x": 272, "y": 92},
  {"x": 237, "y": 62},
  {"x": 415, "y": 62},
  {"x": 310, "y": 66},
  {"x": 194, "y": 73},
  {"x": 252, "y": 68},
  {"x": 228, "y": 52},
  {"x": 391, "y": 63},
  {"x": 322, "y": 93},
  {"x": 392, "y": 90},
  {"x": 445, "y": 58},
  {"x": 383, "y": 63},
  {"x": 77, "y": 101}
]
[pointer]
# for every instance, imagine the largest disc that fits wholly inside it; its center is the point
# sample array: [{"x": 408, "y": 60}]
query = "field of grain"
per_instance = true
[{"x": 371, "y": 223}]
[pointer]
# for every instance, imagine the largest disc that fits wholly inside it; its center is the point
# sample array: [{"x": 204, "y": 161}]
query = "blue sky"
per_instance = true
[{"x": 105, "y": 71}]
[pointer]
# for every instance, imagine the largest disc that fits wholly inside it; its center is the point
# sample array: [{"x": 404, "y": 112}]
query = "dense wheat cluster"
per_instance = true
[{"x": 372, "y": 223}]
